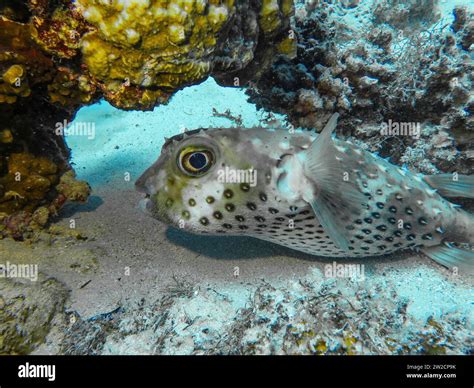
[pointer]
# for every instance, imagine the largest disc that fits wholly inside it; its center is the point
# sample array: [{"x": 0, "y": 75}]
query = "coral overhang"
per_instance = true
[{"x": 56, "y": 56}]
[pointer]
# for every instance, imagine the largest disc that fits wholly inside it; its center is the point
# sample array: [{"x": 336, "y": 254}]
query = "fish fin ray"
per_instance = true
[
  {"x": 333, "y": 198},
  {"x": 448, "y": 187},
  {"x": 450, "y": 256}
]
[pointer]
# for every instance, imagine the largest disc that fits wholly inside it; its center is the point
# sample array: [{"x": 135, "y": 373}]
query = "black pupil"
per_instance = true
[{"x": 198, "y": 160}]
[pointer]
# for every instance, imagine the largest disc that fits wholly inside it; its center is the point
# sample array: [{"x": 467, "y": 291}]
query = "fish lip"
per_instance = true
[{"x": 146, "y": 205}]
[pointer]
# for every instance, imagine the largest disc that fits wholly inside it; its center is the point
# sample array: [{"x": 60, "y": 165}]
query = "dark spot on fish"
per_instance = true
[
  {"x": 368, "y": 220},
  {"x": 382, "y": 247},
  {"x": 365, "y": 248},
  {"x": 397, "y": 233},
  {"x": 305, "y": 212},
  {"x": 380, "y": 205},
  {"x": 398, "y": 196},
  {"x": 262, "y": 226},
  {"x": 273, "y": 210},
  {"x": 192, "y": 202},
  {"x": 260, "y": 218},
  {"x": 376, "y": 215},
  {"x": 169, "y": 202},
  {"x": 378, "y": 237},
  {"x": 379, "y": 192},
  {"x": 359, "y": 237},
  {"x": 409, "y": 210},
  {"x": 186, "y": 215},
  {"x": 227, "y": 226},
  {"x": 228, "y": 193},
  {"x": 204, "y": 221},
  {"x": 358, "y": 222},
  {"x": 392, "y": 209},
  {"x": 350, "y": 227},
  {"x": 366, "y": 231},
  {"x": 210, "y": 199},
  {"x": 229, "y": 207},
  {"x": 407, "y": 226},
  {"x": 389, "y": 238},
  {"x": 243, "y": 227},
  {"x": 263, "y": 197},
  {"x": 240, "y": 218},
  {"x": 427, "y": 236},
  {"x": 392, "y": 220},
  {"x": 422, "y": 221},
  {"x": 382, "y": 228},
  {"x": 411, "y": 237},
  {"x": 280, "y": 219},
  {"x": 251, "y": 206},
  {"x": 217, "y": 215}
]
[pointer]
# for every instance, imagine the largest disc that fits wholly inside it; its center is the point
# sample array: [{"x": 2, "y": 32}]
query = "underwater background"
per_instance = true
[{"x": 114, "y": 281}]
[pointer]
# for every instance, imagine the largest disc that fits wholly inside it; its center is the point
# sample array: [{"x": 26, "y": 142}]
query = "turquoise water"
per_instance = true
[{"x": 131, "y": 141}]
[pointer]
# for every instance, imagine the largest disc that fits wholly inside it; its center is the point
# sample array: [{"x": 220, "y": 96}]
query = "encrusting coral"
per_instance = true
[
  {"x": 378, "y": 62},
  {"x": 56, "y": 56}
]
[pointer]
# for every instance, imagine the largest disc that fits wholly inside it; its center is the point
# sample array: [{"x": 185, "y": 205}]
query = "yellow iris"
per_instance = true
[{"x": 195, "y": 161}]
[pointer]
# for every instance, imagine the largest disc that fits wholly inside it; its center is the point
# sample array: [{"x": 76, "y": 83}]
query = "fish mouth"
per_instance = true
[{"x": 146, "y": 205}]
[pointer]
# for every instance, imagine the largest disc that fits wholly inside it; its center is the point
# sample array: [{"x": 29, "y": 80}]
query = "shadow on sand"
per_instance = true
[{"x": 241, "y": 248}]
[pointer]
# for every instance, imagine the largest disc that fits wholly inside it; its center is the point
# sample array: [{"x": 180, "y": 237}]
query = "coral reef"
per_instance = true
[
  {"x": 378, "y": 63},
  {"x": 27, "y": 313}
]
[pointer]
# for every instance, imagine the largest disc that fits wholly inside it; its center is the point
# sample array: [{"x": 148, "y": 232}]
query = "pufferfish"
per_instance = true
[{"x": 312, "y": 192}]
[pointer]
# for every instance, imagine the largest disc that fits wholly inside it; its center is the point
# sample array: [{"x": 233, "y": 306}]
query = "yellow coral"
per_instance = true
[
  {"x": 156, "y": 46},
  {"x": 6, "y": 136},
  {"x": 28, "y": 180},
  {"x": 14, "y": 84},
  {"x": 72, "y": 188},
  {"x": 69, "y": 88}
]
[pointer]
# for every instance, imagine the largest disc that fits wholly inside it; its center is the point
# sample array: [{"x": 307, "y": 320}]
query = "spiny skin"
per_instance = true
[{"x": 402, "y": 211}]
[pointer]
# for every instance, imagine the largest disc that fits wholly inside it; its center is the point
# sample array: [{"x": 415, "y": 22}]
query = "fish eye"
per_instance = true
[{"x": 195, "y": 162}]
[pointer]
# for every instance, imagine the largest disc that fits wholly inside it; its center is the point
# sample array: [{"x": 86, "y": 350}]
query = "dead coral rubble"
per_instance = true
[
  {"x": 56, "y": 56},
  {"x": 396, "y": 61}
]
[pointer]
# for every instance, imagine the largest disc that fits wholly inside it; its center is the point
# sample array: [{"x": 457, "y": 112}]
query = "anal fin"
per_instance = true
[{"x": 450, "y": 257}]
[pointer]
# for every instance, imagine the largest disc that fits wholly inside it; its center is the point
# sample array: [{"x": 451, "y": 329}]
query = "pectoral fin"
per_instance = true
[{"x": 333, "y": 199}]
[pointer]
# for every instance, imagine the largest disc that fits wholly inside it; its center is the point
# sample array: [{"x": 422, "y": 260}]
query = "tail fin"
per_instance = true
[
  {"x": 452, "y": 185},
  {"x": 452, "y": 257}
]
